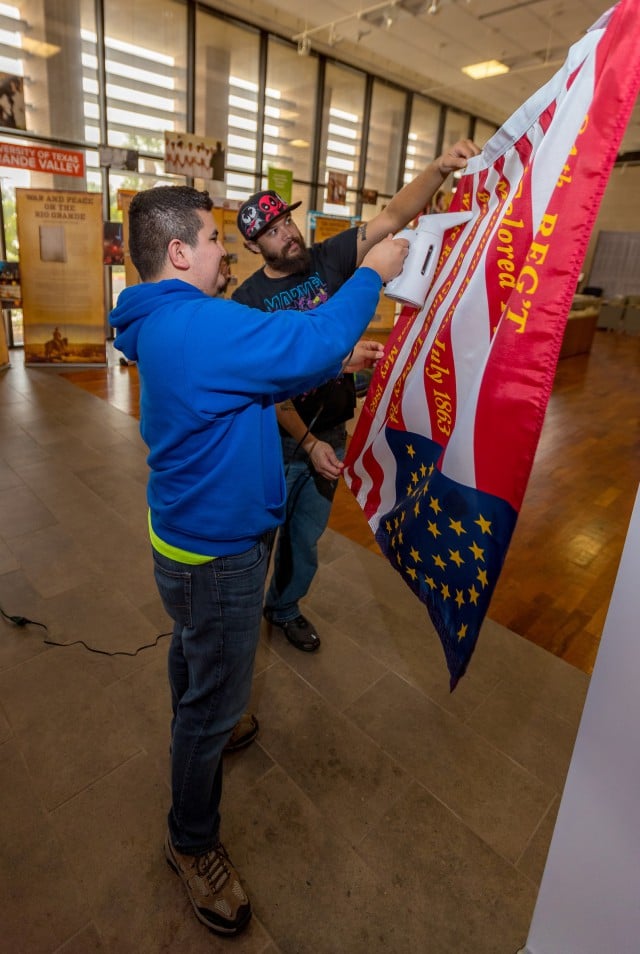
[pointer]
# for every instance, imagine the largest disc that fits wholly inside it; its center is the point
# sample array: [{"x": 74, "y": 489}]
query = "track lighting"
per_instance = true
[{"x": 382, "y": 15}]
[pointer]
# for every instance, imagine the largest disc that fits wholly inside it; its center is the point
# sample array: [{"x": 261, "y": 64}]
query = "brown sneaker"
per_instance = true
[
  {"x": 244, "y": 732},
  {"x": 214, "y": 888}
]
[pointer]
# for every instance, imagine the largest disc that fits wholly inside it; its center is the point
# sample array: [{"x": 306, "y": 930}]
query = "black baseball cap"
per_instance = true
[{"x": 260, "y": 211}]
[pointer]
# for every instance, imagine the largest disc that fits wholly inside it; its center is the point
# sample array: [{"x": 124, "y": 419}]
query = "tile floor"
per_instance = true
[{"x": 376, "y": 814}]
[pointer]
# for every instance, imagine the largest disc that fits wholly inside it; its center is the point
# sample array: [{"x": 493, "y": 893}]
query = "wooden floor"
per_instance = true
[{"x": 558, "y": 577}]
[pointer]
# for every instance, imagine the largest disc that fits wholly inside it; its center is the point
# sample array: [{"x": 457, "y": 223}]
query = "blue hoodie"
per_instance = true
[{"x": 210, "y": 372}]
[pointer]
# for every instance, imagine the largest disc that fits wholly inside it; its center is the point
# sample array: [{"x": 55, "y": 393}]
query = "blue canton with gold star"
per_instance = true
[{"x": 448, "y": 541}]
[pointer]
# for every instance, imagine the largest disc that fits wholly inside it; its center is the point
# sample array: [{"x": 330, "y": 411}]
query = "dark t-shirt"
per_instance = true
[{"x": 332, "y": 263}]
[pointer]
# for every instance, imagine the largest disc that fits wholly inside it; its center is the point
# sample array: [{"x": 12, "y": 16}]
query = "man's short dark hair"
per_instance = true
[{"x": 158, "y": 215}]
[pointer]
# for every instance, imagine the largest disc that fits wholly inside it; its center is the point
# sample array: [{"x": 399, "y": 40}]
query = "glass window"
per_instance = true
[
  {"x": 292, "y": 82},
  {"x": 483, "y": 132},
  {"x": 388, "y": 109},
  {"x": 43, "y": 48},
  {"x": 341, "y": 136},
  {"x": 423, "y": 136},
  {"x": 456, "y": 126},
  {"x": 145, "y": 52},
  {"x": 227, "y": 90}
]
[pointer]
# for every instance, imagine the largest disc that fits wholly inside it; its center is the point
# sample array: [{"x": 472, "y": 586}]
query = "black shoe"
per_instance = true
[{"x": 299, "y": 631}]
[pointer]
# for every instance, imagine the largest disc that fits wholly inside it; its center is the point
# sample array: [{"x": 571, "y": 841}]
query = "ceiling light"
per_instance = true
[
  {"x": 304, "y": 46},
  {"x": 486, "y": 69},
  {"x": 299, "y": 143},
  {"x": 433, "y": 8},
  {"x": 39, "y": 47}
]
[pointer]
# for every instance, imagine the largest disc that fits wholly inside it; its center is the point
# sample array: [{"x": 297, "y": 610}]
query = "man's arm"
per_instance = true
[
  {"x": 322, "y": 455},
  {"x": 413, "y": 198},
  {"x": 365, "y": 354}
]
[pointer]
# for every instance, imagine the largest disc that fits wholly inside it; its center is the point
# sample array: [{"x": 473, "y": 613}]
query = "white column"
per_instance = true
[{"x": 589, "y": 898}]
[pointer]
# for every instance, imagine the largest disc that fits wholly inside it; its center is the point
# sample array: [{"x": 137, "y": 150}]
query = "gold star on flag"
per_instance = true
[
  {"x": 398, "y": 559},
  {"x": 388, "y": 526},
  {"x": 435, "y": 505},
  {"x": 400, "y": 538},
  {"x": 473, "y": 595},
  {"x": 409, "y": 490},
  {"x": 415, "y": 556},
  {"x": 462, "y": 632},
  {"x": 432, "y": 528},
  {"x": 456, "y": 526},
  {"x": 412, "y": 573},
  {"x": 416, "y": 509},
  {"x": 477, "y": 551},
  {"x": 459, "y": 598},
  {"x": 396, "y": 522},
  {"x": 423, "y": 470},
  {"x": 431, "y": 583},
  {"x": 454, "y": 556},
  {"x": 410, "y": 451},
  {"x": 414, "y": 476},
  {"x": 482, "y": 576},
  {"x": 431, "y": 469},
  {"x": 439, "y": 562},
  {"x": 485, "y": 525},
  {"x": 444, "y": 590}
]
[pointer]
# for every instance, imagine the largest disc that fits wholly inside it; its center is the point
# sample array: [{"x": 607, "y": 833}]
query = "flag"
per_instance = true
[{"x": 442, "y": 452}]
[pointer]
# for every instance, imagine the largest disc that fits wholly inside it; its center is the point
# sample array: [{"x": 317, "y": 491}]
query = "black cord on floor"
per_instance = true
[{"x": 22, "y": 621}]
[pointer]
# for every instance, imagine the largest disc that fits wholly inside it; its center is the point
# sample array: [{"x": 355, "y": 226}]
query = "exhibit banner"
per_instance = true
[
  {"x": 10, "y": 294},
  {"x": 113, "y": 244},
  {"x": 124, "y": 160},
  {"x": 281, "y": 181},
  {"x": 61, "y": 162},
  {"x": 62, "y": 276},
  {"x": 337, "y": 188},
  {"x": 125, "y": 196},
  {"x": 323, "y": 227},
  {"x": 197, "y": 157},
  {"x": 12, "y": 111},
  {"x": 242, "y": 261}
]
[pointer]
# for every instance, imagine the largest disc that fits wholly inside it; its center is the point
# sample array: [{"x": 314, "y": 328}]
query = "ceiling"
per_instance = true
[{"x": 423, "y": 44}]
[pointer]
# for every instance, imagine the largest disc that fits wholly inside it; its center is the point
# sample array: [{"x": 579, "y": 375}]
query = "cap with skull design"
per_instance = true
[{"x": 260, "y": 211}]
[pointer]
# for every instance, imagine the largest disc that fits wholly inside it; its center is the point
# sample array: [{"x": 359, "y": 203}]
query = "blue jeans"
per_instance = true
[
  {"x": 216, "y": 610},
  {"x": 309, "y": 499}
]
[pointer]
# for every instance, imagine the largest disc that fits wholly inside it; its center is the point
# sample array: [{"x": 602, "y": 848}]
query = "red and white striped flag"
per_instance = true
[{"x": 443, "y": 449}]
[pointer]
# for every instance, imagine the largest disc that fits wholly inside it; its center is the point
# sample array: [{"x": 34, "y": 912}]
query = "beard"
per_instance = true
[{"x": 294, "y": 258}]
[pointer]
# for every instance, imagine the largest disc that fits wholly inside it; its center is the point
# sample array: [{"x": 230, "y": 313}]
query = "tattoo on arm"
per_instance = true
[{"x": 362, "y": 232}]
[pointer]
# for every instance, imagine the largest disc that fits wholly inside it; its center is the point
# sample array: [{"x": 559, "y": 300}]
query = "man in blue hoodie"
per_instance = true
[{"x": 211, "y": 371}]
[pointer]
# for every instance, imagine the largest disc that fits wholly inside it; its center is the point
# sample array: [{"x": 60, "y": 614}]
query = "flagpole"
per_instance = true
[{"x": 589, "y": 897}]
